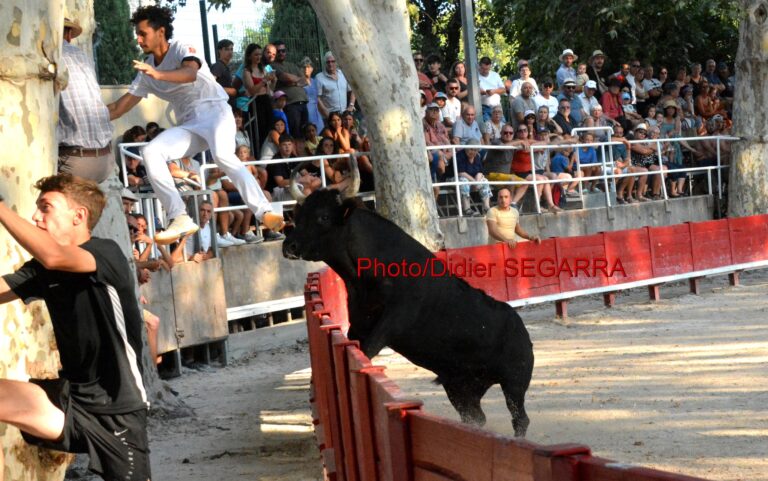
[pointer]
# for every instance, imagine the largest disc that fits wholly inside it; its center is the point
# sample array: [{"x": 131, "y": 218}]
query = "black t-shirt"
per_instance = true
[
  {"x": 222, "y": 73},
  {"x": 282, "y": 170},
  {"x": 97, "y": 325}
]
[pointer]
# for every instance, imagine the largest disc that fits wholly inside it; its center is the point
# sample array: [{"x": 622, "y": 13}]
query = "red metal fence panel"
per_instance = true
[
  {"x": 670, "y": 250},
  {"x": 581, "y": 262},
  {"x": 520, "y": 270},
  {"x": 749, "y": 238},
  {"x": 710, "y": 244}
]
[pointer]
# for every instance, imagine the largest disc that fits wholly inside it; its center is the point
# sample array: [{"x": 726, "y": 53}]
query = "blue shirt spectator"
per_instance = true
[
  {"x": 559, "y": 163},
  {"x": 587, "y": 155}
]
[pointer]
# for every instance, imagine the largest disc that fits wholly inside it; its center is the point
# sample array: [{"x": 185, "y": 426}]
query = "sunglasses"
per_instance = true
[
  {"x": 418, "y": 60},
  {"x": 522, "y": 130},
  {"x": 281, "y": 50},
  {"x": 507, "y": 132},
  {"x": 570, "y": 87}
]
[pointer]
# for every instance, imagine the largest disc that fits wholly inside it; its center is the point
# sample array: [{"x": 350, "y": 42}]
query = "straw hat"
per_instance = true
[{"x": 76, "y": 28}]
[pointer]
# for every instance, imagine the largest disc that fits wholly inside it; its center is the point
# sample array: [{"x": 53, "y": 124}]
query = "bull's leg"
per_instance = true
[
  {"x": 465, "y": 398},
  {"x": 514, "y": 393}
]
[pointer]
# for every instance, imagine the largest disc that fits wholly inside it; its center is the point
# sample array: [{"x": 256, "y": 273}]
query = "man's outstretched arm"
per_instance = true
[
  {"x": 41, "y": 245},
  {"x": 122, "y": 105}
]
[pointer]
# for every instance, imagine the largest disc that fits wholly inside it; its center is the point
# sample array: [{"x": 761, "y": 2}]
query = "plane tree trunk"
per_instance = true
[
  {"x": 748, "y": 186},
  {"x": 370, "y": 40}
]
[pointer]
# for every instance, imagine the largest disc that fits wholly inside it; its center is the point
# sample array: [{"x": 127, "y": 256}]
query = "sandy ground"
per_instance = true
[{"x": 678, "y": 385}]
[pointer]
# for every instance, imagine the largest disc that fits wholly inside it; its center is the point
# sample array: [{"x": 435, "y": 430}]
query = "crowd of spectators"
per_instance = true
[{"x": 283, "y": 111}]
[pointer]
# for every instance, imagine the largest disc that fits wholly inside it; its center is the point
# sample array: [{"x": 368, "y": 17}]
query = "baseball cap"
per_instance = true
[
  {"x": 278, "y": 94},
  {"x": 626, "y": 96},
  {"x": 433, "y": 106},
  {"x": 441, "y": 95},
  {"x": 591, "y": 84}
]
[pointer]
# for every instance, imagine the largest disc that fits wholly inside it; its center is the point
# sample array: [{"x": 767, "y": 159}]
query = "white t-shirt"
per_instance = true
[
  {"x": 551, "y": 102},
  {"x": 183, "y": 97},
  {"x": 517, "y": 85},
  {"x": 452, "y": 109},
  {"x": 333, "y": 92},
  {"x": 491, "y": 81},
  {"x": 205, "y": 240}
]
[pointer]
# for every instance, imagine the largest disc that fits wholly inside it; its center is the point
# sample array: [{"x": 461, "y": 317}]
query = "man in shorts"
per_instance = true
[
  {"x": 98, "y": 405},
  {"x": 177, "y": 73}
]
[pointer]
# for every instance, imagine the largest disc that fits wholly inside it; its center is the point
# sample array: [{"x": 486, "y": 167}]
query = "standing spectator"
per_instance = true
[
  {"x": 640, "y": 93},
  {"x": 503, "y": 222},
  {"x": 563, "y": 117},
  {"x": 595, "y": 71},
  {"x": 220, "y": 69},
  {"x": 312, "y": 94},
  {"x": 727, "y": 80},
  {"x": 452, "y": 110},
  {"x": 566, "y": 70},
  {"x": 517, "y": 84},
  {"x": 334, "y": 94},
  {"x": 466, "y": 128},
  {"x": 83, "y": 131},
  {"x": 545, "y": 96},
  {"x": 696, "y": 76},
  {"x": 425, "y": 85},
  {"x": 522, "y": 104},
  {"x": 569, "y": 93},
  {"x": 176, "y": 73},
  {"x": 257, "y": 84},
  {"x": 634, "y": 67},
  {"x": 459, "y": 72},
  {"x": 491, "y": 87},
  {"x": 436, "y": 76},
  {"x": 291, "y": 81}
]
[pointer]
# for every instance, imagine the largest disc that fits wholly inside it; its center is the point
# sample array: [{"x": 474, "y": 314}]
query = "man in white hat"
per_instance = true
[
  {"x": 84, "y": 133},
  {"x": 566, "y": 70},
  {"x": 178, "y": 74}
]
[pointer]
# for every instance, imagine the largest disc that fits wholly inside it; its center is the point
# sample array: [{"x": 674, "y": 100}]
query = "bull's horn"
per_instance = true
[
  {"x": 296, "y": 190},
  {"x": 354, "y": 175}
]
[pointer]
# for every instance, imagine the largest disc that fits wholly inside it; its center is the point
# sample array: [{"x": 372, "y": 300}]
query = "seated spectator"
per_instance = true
[
  {"x": 365, "y": 165},
  {"x": 152, "y": 129},
  {"x": 546, "y": 124},
  {"x": 336, "y": 170},
  {"x": 529, "y": 120},
  {"x": 436, "y": 134},
  {"x": 710, "y": 73},
  {"x": 334, "y": 128},
  {"x": 690, "y": 121},
  {"x": 240, "y": 228},
  {"x": 563, "y": 117},
  {"x": 652, "y": 87},
  {"x": 132, "y": 135},
  {"x": 452, "y": 110},
  {"x": 458, "y": 72},
  {"x": 645, "y": 159},
  {"x": 727, "y": 80},
  {"x": 622, "y": 162},
  {"x": 469, "y": 165},
  {"x": 630, "y": 113},
  {"x": 522, "y": 166},
  {"x": 349, "y": 122},
  {"x": 563, "y": 166},
  {"x": 641, "y": 95},
  {"x": 129, "y": 199},
  {"x": 466, "y": 128},
  {"x": 186, "y": 173},
  {"x": 611, "y": 101},
  {"x": 522, "y": 104},
  {"x": 311, "y": 139},
  {"x": 494, "y": 125},
  {"x": 279, "y": 179},
  {"x": 434, "y": 74},
  {"x": 599, "y": 119},
  {"x": 706, "y": 105},
  {"x": 568, "y": 92},
  {"x": 588, "y": 162},
  {"x": 272, "y": 143},
  {"x": 545, "y": 97},
  {"x": 241, "y": 136},
  {"x": 517, "y": 84},
  {"x": 136, "y": 175},
  {"x": 588, "y": 99},
  {"x": 200, "y": 248}
]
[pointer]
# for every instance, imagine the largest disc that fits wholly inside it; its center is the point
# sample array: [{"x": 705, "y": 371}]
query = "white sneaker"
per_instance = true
[
  {"x": 222, "y": 241},
  {"x": 251, "y": 238},
  {"x": 233, "y": 239},
  {"x": 180, "y": 226}
]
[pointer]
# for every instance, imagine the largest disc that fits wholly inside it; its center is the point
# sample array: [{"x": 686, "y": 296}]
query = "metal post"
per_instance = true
[
  {"x": 216, "y": 40},
  {"x": 470, "y": 56},
  {"x": 204, "y": 24}
]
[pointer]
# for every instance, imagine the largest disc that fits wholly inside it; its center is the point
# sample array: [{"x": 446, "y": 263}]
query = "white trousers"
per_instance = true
[{"x": 211, "y": 127}]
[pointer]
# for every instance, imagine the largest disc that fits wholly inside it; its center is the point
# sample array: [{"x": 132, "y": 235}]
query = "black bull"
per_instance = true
[{"x": 470, "y": 340}]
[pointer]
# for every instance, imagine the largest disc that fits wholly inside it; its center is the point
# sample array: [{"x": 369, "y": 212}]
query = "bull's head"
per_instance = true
[
  {"x": 318, "y": 226},
  {"x": 297, "y": 192}
]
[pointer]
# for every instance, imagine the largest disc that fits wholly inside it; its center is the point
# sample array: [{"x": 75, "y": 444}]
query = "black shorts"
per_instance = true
[{"x": 116, "y": 443}]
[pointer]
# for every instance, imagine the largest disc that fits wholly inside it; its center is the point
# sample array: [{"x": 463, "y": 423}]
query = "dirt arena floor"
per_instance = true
[{"x": 679, "y": 385}]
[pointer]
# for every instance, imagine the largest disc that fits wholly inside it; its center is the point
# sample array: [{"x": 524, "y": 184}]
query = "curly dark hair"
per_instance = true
[{"x": 156, "y": 17}]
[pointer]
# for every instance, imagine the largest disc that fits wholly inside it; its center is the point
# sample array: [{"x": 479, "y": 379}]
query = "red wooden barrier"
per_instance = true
[
  {"x": 582, "y": 262},
  {"x": 484, "y": 268},
  {"x": 369, "y": 431}
]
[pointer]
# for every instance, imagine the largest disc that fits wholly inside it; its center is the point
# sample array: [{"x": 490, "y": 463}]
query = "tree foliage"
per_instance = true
[
  {"x": 672, "y": 33},
  {"x": 116, "y": 46}
]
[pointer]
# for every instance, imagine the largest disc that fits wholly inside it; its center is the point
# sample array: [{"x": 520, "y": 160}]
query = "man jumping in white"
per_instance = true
[{"x": 175, "y": 73}]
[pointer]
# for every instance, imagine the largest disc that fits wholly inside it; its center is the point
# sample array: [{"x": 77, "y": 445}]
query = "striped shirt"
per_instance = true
[{"x": 83, "y": 117}]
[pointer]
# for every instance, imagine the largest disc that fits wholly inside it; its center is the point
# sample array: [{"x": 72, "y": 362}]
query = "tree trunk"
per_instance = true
[
  {"x": 370, "y": 39},
  {"x": 31, "y": 46},
  {"x": 748, "y": 186}
]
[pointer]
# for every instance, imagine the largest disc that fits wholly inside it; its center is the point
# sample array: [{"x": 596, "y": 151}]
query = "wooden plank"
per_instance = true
[
  {"x": 600, "y": 469},
  {"x": 513, "y": 459},
  {"x": 423, "y": 474},
  {"x": 347, "y": 451}
]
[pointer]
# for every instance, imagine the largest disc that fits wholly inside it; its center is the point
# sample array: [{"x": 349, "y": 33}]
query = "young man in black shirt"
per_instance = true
[{"x": 98, "y": 405}]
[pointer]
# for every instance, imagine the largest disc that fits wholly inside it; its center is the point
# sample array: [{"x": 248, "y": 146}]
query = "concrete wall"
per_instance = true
[
  {"x": 150, "y": 109},
  {"x": 473, "y": 231}
]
